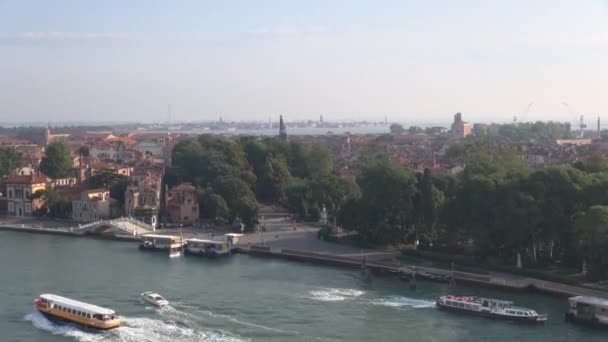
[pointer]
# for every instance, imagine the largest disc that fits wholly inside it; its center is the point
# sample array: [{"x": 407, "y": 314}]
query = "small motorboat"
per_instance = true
[{"x": 154, "y": 298}]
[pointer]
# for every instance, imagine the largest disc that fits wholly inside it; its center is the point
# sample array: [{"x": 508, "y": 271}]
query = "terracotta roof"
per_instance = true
[{"x": 28, "y": 179}]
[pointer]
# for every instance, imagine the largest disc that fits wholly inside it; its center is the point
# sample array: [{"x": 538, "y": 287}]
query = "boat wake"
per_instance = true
[
  {"x": 335, "y": 295},
  {"x": 133, "y": 329},
  {"x": 172, "y": 311},
  {"x": 399, "y": 301}
]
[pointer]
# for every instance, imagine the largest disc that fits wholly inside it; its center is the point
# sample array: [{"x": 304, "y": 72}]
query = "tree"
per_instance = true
[
  {"x": 593, "y": 164},
  {"x": 10, "y": 160},
  {"x": 592, "y": 227},
  {"x": 213, "y": 206},
  {"x": 54, "y": 204},
  {"x": 396, "y": 129},
  {"x": 57, "y": 160},
  {"x": 415, "y": 130},
  {"x": 247, "y": 209},
  {"x": 429, "y": 202},
  {"x": 273, "y": 179},
  {"x": 319, "y": 161},
  {"x": 231, "y": 189},
  {"x": 110, "y": 180},
  {"x": 386, "y": 204}
]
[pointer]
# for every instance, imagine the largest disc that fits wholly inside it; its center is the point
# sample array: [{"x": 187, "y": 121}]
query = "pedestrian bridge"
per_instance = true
[{"x": 119, "y": 226}]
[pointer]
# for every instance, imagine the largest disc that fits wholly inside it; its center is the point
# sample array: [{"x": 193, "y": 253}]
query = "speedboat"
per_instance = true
[
  {"x": 487, "y": 307},
  {"x": 154, "y": 298}
]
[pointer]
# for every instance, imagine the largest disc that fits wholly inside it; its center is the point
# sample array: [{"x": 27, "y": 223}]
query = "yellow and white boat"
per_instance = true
[{"x": 65, "y": 309}]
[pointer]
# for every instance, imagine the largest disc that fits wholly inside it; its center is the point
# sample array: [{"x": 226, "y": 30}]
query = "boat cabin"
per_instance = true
[
  {"x": 172, "y": 243},
  {"x": 233, "y": 238},
  {"x": 587, "y": 309},
  {"x": 67, "y": 309},
  {"x": 208, "y": 247}
]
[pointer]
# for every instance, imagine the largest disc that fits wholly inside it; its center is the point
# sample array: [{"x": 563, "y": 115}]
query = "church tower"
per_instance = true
[{"x": 282, "y": 129}]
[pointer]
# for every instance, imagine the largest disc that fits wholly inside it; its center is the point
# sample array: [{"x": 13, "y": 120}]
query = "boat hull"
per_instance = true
[
  {"x": 517, "y": 319},
  {"x": 62, "y": 320},
  {"x": 586, "y": 322},
  {"x": 202, "y": 253}
]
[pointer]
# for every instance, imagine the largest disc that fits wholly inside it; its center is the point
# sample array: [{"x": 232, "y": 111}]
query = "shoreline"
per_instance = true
[{"x": 421, "y": 272}]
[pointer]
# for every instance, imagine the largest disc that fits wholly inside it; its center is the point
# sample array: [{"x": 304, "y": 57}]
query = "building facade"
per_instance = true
[
  {"x": 93, "y": 205},
  {"x": 460, "y": 129},
  {"x": 182, "y": 204},
  {"x": 142, "y": 199},
  {"x": 19, "y": 191}
]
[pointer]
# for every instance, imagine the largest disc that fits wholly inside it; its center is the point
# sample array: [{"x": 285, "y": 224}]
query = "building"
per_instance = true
[
  {"x": 282, "y": 129},
  {"x": 460, "y": 129},
  {"x": 19, "y": 190},
  {"x": 142, "y": 198},
  {"x": 182, "y": 204},
  {"x": 93, "y": 205},
  {"x": 102, "y": 150},
  {"x": 150, "y": 147}
]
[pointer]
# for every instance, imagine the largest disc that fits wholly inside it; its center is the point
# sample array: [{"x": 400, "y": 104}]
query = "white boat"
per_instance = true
[
  {"x": 487, "y": 307},
  {"x": 154, "y": 298}
]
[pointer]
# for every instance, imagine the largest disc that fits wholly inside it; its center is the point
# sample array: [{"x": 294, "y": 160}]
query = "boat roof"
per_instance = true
[
  {"x": 497, "y": 300},
  {"x": 590, "y": 300},
  {"x": 76, "y": 304},
  {"x": 215, "y": 242},
  {"x": 234, "y": 234},
  {"x": 158, "y": 236}
]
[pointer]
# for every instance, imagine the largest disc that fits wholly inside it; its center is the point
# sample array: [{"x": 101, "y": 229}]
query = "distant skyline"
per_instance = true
[{"x": 413, "y": 61}]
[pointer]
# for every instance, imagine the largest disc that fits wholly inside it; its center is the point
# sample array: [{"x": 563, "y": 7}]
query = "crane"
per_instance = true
[
  {"x": 524, "y": 113},
  {"x": 581, "y": 118}
]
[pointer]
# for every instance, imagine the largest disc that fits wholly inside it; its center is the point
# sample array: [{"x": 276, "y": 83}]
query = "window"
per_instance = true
[{"x": 10, "y": 194}]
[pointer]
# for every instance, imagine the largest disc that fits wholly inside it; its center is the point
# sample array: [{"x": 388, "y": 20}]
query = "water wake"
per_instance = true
[
  {"x": 399, "y": 301},
  {"x": 172, "y": 311},
  {"x": 133, "y": 329},
  {"x": 335, "y": 295}
]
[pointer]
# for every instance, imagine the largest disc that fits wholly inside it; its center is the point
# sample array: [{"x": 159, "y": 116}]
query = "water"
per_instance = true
[{"x": 239, "y": 299}]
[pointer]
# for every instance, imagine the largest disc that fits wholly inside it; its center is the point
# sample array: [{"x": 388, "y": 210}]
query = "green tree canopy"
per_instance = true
[
  {"x": 10, "y": 160},
  {"x": 57, "y": 160}
]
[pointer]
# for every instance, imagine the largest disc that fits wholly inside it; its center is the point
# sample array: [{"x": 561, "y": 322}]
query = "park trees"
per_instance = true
[
  {"x": 57, "y": 159},
  {"x": 10, "y": 160},
  {"x": 592, "y": 228},
  {"x": 384, "y": 211}
]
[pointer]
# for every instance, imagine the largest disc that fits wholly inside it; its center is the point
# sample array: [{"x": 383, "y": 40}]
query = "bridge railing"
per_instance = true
[{"x": 117, "y": 223}]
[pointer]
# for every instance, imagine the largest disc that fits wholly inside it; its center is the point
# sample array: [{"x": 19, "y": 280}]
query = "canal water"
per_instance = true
[{"x": 242, "y": 298}]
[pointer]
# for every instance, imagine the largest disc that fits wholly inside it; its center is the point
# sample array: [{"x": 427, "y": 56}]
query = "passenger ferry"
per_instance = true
[
  {"x": 64, "y": 309},
  {"x": 208, "y": 248},
  {"x": 588, "y": 310},
  {"x": 171, "y": 243},
  {"x": 487, "y": 307}
]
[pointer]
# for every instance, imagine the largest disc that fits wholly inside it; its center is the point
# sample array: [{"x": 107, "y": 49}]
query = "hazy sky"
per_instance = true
[{"x": 346, "y": 59}]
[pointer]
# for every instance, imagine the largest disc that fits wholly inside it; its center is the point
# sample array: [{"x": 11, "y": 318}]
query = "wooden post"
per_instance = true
[{"x": 413, "y": 279}]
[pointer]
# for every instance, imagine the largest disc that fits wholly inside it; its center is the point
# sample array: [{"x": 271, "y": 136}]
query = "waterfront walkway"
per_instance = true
[
  {"x": 120, "y": 227},
  {"x": 300, "y": 243}
]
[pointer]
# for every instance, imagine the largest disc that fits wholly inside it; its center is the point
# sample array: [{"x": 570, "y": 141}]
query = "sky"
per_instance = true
[{"x": 413, "y": 61}]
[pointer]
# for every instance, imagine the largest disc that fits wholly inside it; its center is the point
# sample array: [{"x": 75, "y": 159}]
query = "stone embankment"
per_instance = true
[{"x": 429, "y": 273}]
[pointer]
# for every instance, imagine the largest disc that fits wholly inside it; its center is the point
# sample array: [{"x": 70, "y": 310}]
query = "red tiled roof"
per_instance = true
[{"x": 28, "y": 179}]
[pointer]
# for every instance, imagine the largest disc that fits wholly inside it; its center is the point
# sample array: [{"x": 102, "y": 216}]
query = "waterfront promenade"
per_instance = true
[{"x": 281, "y": 240}]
